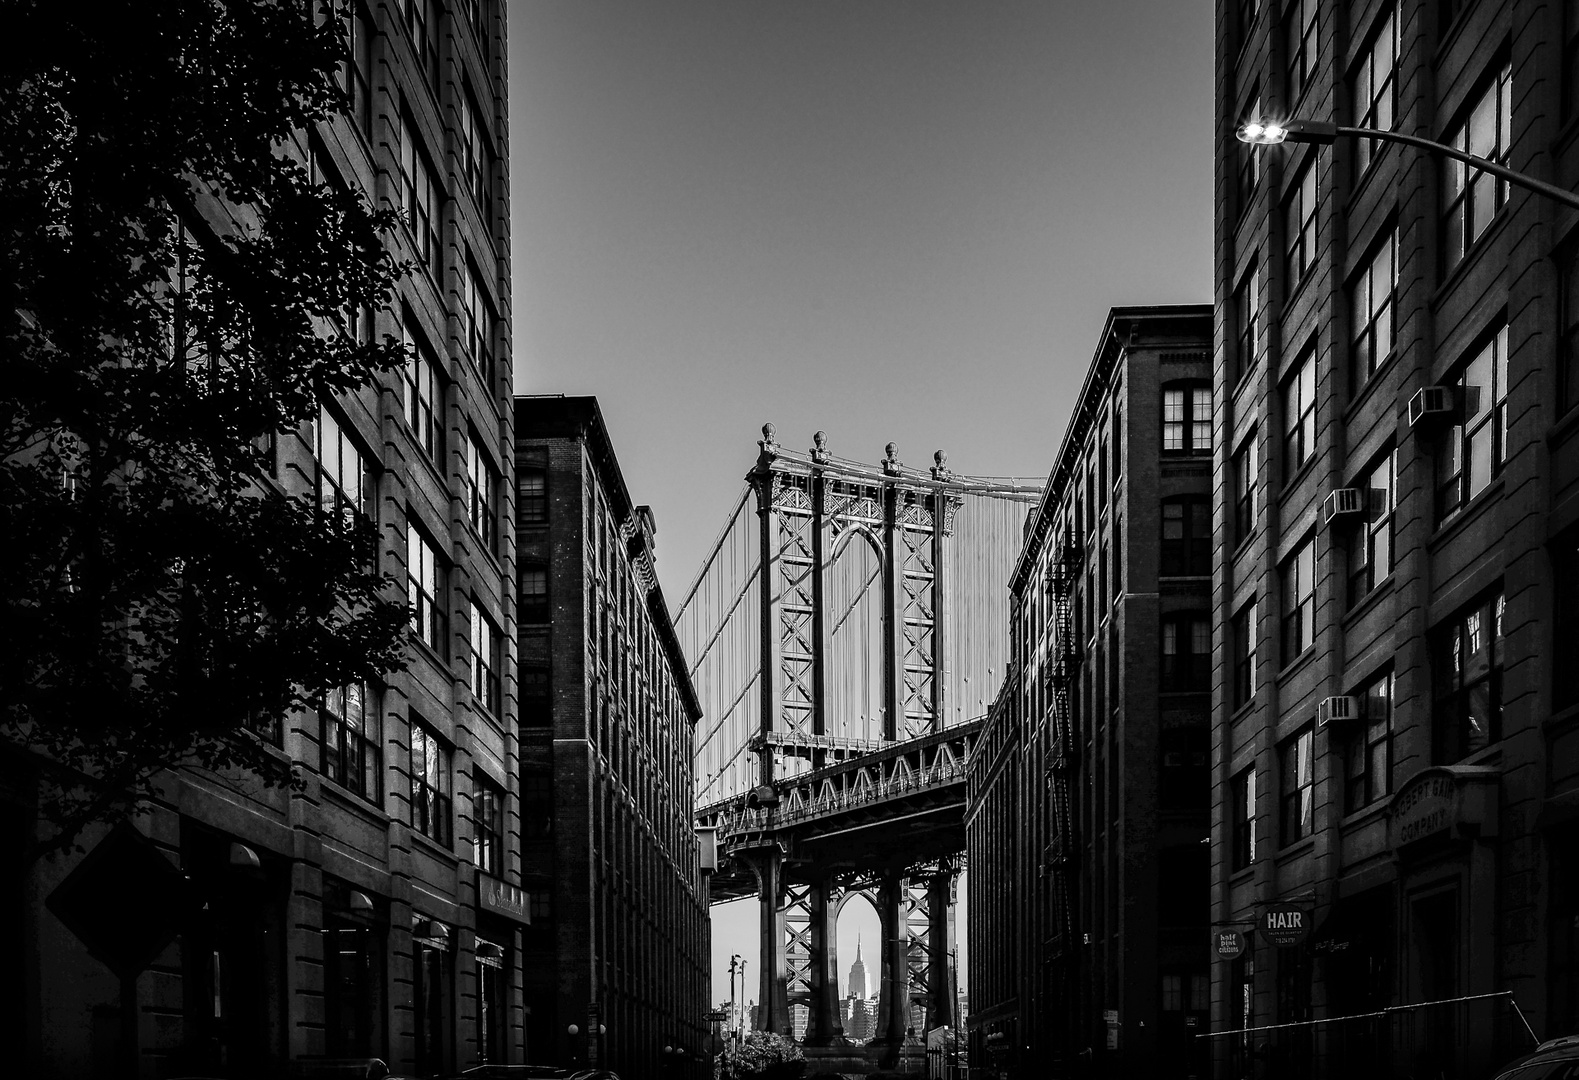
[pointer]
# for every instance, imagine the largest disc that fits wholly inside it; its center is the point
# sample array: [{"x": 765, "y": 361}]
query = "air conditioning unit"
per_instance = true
[
  {"x": 1344, "y": 504},
  {"x": 1432, "y": 406},
  {"x": 1343, "y": 709}
]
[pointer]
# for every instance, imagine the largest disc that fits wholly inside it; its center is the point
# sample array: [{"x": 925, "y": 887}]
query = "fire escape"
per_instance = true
[{"x": 1061, "y": 949}]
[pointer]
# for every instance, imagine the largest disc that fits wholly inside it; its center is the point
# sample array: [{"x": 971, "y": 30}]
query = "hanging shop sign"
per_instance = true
[
  {"x": 1284, "y": 925},
  {"x": 1228, "y": 944}
]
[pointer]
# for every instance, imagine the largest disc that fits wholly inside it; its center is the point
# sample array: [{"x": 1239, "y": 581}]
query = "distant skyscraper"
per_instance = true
[{"x": 855, "y": 985}]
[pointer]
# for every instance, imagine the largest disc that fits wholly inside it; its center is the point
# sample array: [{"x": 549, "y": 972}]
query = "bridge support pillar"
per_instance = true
[
  {"x": 940, "y": 935},
  {"x": 773, "y": 992},
  {"x": 826, "y": 1027},
  {"x": 893, "y": 1014}
]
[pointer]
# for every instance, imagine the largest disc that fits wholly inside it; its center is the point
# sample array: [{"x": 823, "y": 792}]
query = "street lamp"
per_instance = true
[{"x": 1272, "y": 132}]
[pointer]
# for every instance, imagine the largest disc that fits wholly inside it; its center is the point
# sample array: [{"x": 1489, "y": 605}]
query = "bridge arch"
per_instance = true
[{"x": 854, "y": 619}]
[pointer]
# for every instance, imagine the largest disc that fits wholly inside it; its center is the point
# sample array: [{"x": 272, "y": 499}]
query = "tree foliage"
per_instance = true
[
  {"x": 764, "y": 1055},
  {"x": 176, "y": 288}
]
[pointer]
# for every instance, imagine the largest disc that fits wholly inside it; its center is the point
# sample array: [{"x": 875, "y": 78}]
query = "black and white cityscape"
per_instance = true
[{"x": 1119, "y": 471}]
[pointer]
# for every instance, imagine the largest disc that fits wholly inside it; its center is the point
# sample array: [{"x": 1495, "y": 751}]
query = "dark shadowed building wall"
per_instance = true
[{"x": 1395, "y": 720}]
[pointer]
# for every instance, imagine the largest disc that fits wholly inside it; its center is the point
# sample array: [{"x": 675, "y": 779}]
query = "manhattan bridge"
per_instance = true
[{"x": 846, "y": 635}]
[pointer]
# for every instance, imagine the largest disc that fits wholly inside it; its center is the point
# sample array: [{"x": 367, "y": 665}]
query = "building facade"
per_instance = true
[
  {"x": 617, "y": 961},
  {"x": 375, "y": 912},
  {"x": 1395, "y": 784},
  {"x": 1090, "y": 787}
]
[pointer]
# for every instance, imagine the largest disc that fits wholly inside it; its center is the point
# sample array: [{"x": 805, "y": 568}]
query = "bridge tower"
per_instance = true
[
  {"x": 809, "y": 511},
  {"x": 843, "y": 641}
]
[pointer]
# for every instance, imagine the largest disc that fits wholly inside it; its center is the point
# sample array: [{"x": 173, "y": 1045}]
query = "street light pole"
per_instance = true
[{"x": 1257, "y": 133}]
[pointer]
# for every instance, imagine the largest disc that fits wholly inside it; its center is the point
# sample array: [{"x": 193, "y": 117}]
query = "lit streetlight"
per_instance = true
[{"x": 1272, "y": 132}]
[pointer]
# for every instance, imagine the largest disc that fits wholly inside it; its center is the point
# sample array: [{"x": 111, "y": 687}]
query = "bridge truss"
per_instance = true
[{"x": 845, "y": 639}]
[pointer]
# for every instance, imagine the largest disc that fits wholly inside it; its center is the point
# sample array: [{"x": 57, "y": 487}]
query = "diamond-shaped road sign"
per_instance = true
[{"x": 125, "y": 901}]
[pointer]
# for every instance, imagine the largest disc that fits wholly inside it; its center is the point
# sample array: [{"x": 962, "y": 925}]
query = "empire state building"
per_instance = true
[{"x": 855, "y": 985}]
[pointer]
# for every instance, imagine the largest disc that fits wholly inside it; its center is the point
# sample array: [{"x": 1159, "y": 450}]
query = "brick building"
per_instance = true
[
  {"x": 1395, "y": 713},
  {"x": 374, "y": 912},
  {"x": 620, "y": 943},
  {"x": 1089, "y": 789}
]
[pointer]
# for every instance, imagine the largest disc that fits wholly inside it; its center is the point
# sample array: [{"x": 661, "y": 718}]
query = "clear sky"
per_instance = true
[{"x": 891, "y": 219}]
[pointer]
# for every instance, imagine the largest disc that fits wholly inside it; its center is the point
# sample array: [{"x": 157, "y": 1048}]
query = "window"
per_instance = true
[
  {"x": 1299, "y": 600},
  {"x": 1374, "y": 91},
  {"x": 482, "y": 485},
  {"x": 1299, "y": 228},
  {"x": 492, "y": 1000},
  {"x": 1301, "y": 43},
  {"x": 531, "y": 496},
  {"x": 1186, "y": 654},
  {"x": 1565, "y": 622},
  {"x": 1242, "y": 831},
  {"x": 1570, "y": 61},
  {"x": 1245, "y": 469},
  {"x": 430, "y": 784},
  {"x": 1473, "y": 452},
  {"x": 1298, "y": 774},
  {"x": 1118, "y": 557},
  {"x": 421, "y": 394},
  {"x": 1187, "y": 419},
  {"x": 1243, "y": 631},
  {"x": 1299, "y": 415},
  {"x": 1186, "y": 538},
  {"x": 355, "y": 72},
  {"x": 1568, "y": 342},
  {"x": 1471, "y": 198},
  {"x": 477, "y": 156},
  {"x": 420, "y": 197},
  {"x": 477, "y": 323},
  {"x": 1245, "y": 19},
  {"x": 488, "y": 821},
  {"x": 344, "y": 490},
  {"x": 422, "y": 23},
  {"x": 351, "y": 984},
  {"x": 1467, "y": 664},
  {"x": 537, "y": 805},
  {"x": 485, "y": 659},
  {"x": 480, "y": 14},
  {"x": 1247, "y": 176},
  {"x": 1186, "y": 782},
  {"x": 534, "y": 594},
  {"x": 1371, "y": 547},
  {"x": 1368, "y": 755},
  {"x": 1247, "y": 313},
  {"x": 1371, "y": 312},
  {"x": 348, "y": 740},
  {"x": 536, "y": 707},
  {"x": 424, "y": 590}
]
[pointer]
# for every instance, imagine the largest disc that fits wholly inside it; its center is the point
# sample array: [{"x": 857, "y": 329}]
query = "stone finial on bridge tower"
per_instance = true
[
  {"x": 819, "y": 448},
  {"x": 891, "y": 460},
  {"x": 940, "y": 469},
  {"x": 770, "y": 448}
]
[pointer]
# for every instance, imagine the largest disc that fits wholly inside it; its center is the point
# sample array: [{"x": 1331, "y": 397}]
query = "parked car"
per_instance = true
[
  {"x": 595, "y": 1074},
  {"x": 515, "y": 1072},
  {"x": 1555, "y": 1059}
]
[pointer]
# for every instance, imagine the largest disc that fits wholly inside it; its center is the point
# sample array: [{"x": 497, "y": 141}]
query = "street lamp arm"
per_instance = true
[
  {"x": 1324, "y": 132},
  {"x": 1502, "y": 172}
]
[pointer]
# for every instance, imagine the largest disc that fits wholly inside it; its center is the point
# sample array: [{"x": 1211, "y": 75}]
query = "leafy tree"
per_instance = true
[
  {"x": 175, "y": 287},
  {"x": 764, "y": 1055}
]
